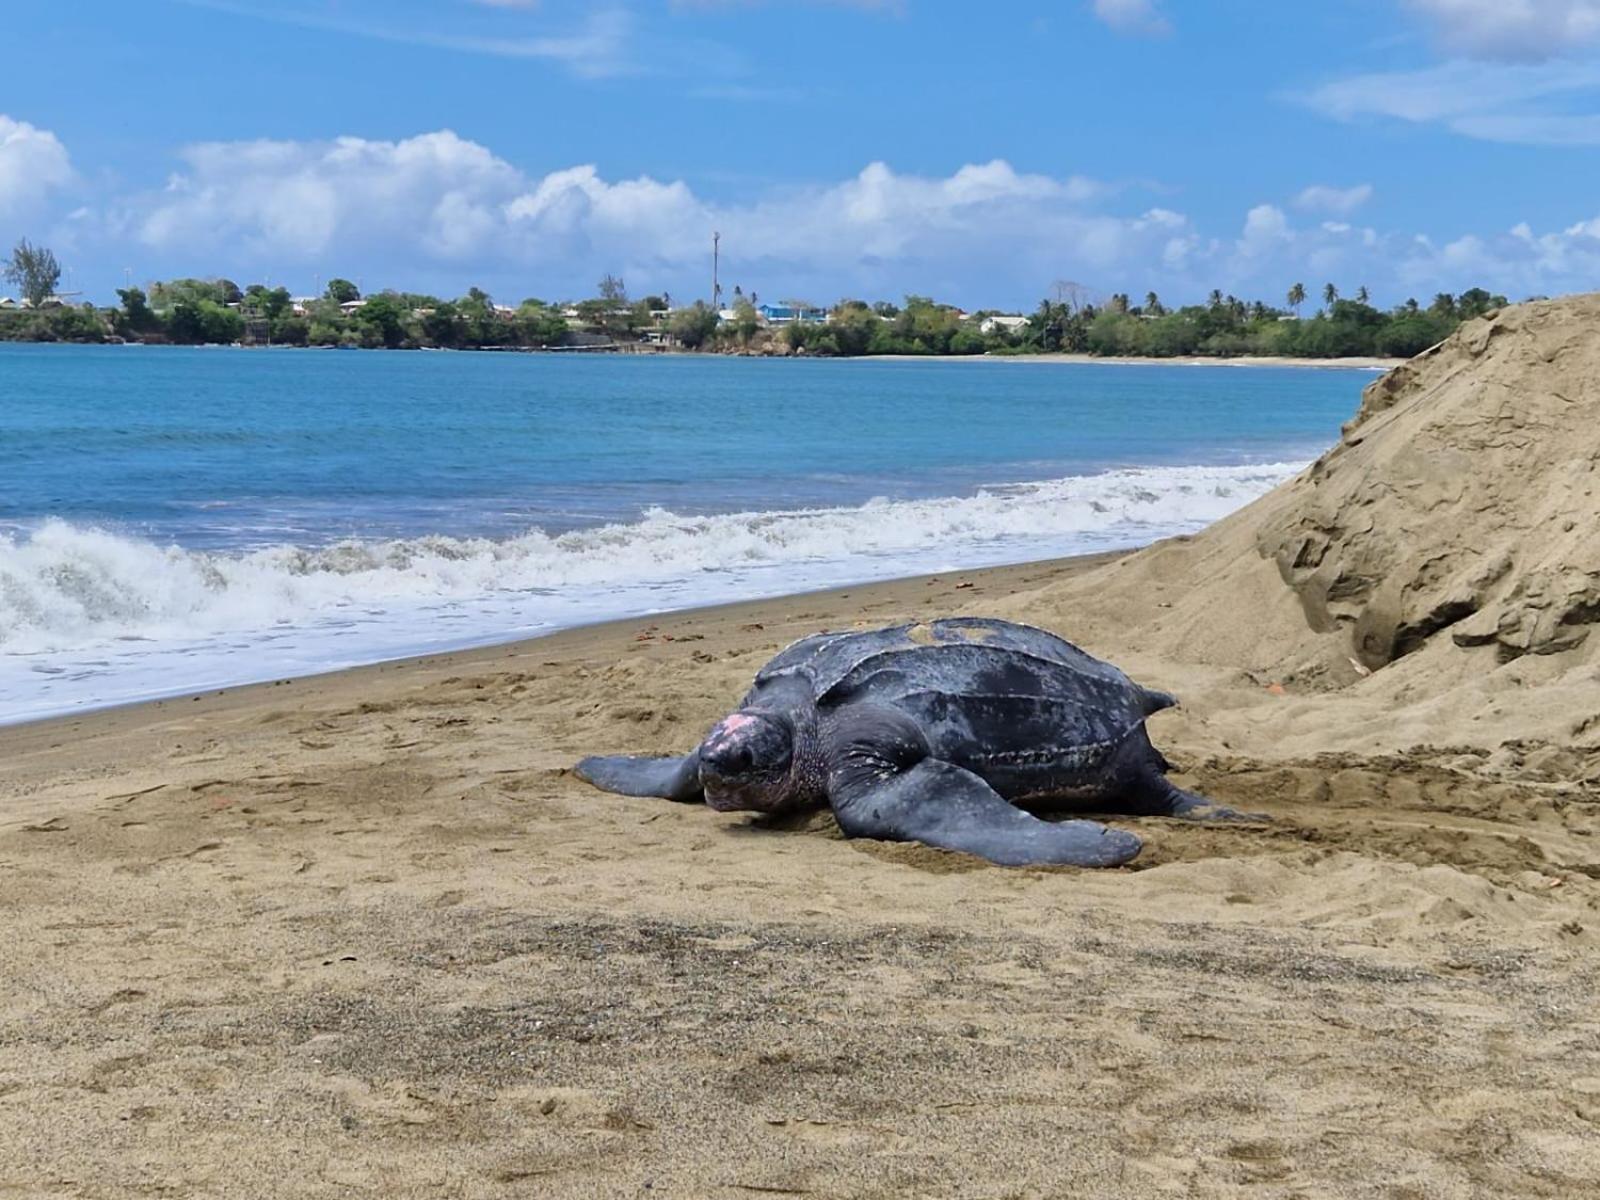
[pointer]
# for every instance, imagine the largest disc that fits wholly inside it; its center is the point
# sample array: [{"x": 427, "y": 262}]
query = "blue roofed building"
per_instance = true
[{"x": 789, "y": 314}]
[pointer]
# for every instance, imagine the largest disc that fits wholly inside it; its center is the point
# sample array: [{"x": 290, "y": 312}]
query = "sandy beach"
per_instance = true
[
  {"x": 365, "y": 934},
  {"x": 1346, "y": 364}
]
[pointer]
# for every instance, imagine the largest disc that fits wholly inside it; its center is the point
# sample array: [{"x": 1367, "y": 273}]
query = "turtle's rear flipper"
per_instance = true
[
  {"x": 668, "y": 778},
  {"x": 1156, "y": 795},
  {"x": 943, "y": 805}
]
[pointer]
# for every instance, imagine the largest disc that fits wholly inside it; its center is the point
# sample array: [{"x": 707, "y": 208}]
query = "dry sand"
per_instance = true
[{"x": 364, "y": 935}]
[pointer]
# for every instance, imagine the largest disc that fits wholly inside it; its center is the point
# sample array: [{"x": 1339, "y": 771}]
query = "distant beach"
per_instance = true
[{"x": 1339, "y": 364}]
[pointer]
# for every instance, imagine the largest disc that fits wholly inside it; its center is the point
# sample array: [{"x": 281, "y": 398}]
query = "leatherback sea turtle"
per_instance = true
[{"x": 942, "y": 733}]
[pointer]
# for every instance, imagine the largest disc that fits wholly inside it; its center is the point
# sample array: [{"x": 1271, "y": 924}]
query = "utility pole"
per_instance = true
[{"x": 716, "y": 283}]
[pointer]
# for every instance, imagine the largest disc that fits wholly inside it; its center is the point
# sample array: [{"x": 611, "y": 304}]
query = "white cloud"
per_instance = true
[
  {"x": 598, "y": 47},
  {"x": 1513, "y": 30},
  {"x": 1132, "y": 16},
  {"x": 1265, "y": 230},
  {"x": 33, "y": 164},
  {"x": 440, "y": 203},
  {"x": 303, "y": 200},
  {"x": 1320, "y": 197},
  {"x": 1528, "y": 103},
  {"x": 438, "y": 212},
  {"x": 1519, "y": 262}
]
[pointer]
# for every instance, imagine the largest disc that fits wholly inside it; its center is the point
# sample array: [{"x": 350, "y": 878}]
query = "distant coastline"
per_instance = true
[
  {"x": 1067, "y": 358},
  {"x": 1358, "y": 363},
  {"x": 1073, "y": 327}
]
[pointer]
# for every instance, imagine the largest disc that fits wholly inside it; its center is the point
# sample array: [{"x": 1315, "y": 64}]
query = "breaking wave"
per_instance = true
[{"x": 62, "y": 585}]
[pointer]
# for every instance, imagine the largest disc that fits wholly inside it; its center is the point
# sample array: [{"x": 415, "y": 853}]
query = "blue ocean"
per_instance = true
[{"x": 177, "y": 519}]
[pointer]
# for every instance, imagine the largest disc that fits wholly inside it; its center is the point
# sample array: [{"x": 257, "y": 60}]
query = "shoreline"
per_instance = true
[
  {"x": 1331, "y": 364},
  {"x": 205, "y": 702},
  {"x": 639, "y": 350}
]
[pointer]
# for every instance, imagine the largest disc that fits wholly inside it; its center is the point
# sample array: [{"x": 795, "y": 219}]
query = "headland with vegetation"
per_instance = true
[{"x": 1072, "y": 321}]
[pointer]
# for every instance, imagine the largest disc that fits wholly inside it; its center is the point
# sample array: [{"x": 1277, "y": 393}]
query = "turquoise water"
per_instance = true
[{"x": 172, "y": 519}]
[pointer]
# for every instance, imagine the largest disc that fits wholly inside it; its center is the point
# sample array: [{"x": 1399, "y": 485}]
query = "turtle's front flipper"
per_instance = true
[
  {"x": 943, "y": 805},
  {"x": 669, "y": 778}
]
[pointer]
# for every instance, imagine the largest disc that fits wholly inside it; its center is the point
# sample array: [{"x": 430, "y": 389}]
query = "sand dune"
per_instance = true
[{"x": 365, "y": 934}]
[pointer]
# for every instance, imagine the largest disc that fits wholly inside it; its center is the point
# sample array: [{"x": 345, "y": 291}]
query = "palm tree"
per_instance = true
[
  {"x": 1152, "y": 305},
  {"x": 1361, "y": 294},
  {"x": 1216, "y": 297},
  {"x": 1329, "y": 295},
  {"x": 1297, "y": 297},
  {"x": 1412, "y": 305}
]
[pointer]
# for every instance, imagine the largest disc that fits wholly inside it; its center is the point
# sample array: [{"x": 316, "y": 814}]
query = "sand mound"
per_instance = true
[
  {"x": 1441, "y": 560},
  {"x": 1463, "y": 497}
]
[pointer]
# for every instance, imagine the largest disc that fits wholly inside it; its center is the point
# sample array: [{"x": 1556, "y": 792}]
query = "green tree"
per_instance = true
[
  {"x": 173, "y": 292},
  {"x": 195, "y": 322},
  {"x": 1362, "y": 294},
  {"x": 1153, "y": 306},
  {"x": 385, "y": 317},
  {"x": 538, "y": 324},
  {"x": 692, "y": 327},
  {"x": 262, "y": 302},
  {"x": 35, "y": 272},
  {"x": 1412, "y": 332},
  {"x": 441, "y": 325},
  {"x": 746, "y": 321},
  {"x": 1329, "y": 295},
  {"x": 290, "y": 330},
  {"x": 341, "y": 291},
  {"x": 854, "y": 327},
  {"x": 135, "y": 316},
  {"x": 1475, "y": 302},
  {"x": 1297, "y": 297}
]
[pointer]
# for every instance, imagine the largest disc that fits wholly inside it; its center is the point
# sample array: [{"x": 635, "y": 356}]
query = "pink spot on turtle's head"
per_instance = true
[{"x": 729, "y": 726}]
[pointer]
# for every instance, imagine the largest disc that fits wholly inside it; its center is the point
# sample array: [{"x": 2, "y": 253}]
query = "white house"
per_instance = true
[
  {"x": 7, "y": 302},
  {"x": 1002, "y": 324}
]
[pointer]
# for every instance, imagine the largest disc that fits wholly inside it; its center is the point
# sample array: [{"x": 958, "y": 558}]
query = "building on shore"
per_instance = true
[
  {"x": 791, "y": 314},
  {"x": 1002, "y": 323}
]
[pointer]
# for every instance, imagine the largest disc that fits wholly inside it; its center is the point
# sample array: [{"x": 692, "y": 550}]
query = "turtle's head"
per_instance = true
[{"x": 747, "y": 763}]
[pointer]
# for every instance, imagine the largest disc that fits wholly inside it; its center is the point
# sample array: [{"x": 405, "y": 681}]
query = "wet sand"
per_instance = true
[{"x": 364, "y": 934}]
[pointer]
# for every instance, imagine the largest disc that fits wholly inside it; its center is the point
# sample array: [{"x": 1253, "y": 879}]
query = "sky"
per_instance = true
[{"x": 978, "y": 153}]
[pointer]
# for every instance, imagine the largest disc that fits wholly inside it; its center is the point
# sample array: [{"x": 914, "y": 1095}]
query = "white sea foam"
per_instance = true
[{"x": 90, "y": 617}]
